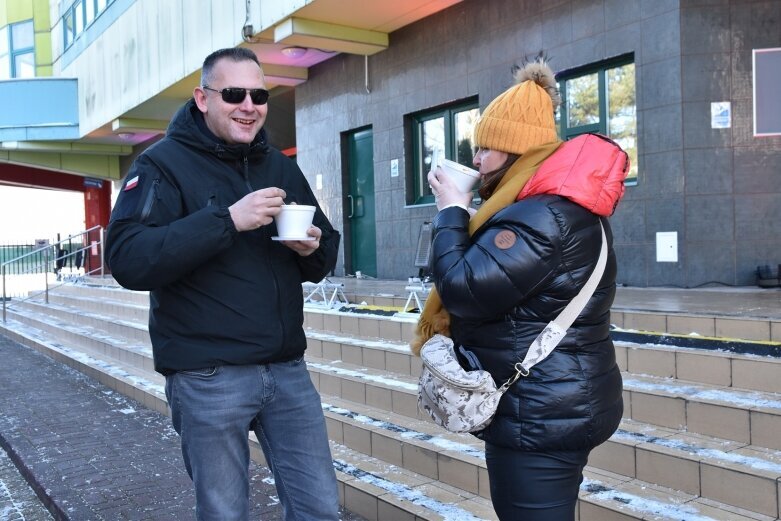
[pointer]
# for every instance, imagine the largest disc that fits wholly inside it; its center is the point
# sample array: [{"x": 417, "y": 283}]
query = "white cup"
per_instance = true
[
  {"x": 293, "y": 220},
  {"x": 463, "y": 177}
]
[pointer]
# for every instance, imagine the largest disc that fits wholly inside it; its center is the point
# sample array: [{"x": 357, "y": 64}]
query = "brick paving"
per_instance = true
[
  {"x": 93, "y": 454},
  {"x": 18, "y": 501}
]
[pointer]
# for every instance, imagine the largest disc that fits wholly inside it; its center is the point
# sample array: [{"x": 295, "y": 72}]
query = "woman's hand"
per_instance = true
[{"x": 445, "y": 191}]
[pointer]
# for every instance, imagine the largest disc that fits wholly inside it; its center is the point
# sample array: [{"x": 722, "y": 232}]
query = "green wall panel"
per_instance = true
[{"x": 19, "y": 10}]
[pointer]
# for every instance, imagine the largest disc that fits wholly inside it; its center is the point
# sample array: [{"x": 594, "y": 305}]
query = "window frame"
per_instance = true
[
  {"x": 80, "y": 22},
  {"x": 600, "y": 68},
  {"x": 448, "y": 113},
  {"x": 14, "y": 53},
  {"x": 6, "y": 53}
]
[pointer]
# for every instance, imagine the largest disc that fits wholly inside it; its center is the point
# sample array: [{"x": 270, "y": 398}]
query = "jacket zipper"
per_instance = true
[
  {"x": 150, "y": 199},
  {"x": 245, "y": 160},
  {"x": 246, "y": 173}
]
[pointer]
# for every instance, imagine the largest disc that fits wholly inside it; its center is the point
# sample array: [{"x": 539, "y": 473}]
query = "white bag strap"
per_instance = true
[{"x": 556, "y": 330}]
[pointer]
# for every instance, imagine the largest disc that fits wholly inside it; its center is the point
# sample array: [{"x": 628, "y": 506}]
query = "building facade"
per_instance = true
[{"x": 363, "y": 94}]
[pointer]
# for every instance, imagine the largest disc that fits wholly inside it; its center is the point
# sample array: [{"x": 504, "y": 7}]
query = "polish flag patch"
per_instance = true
[{"x": 131, "y": 184}]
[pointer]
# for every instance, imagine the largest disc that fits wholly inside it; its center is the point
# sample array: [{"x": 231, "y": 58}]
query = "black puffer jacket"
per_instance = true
[
  {"x": 216, "y": 296},
  {"x": 501, "y": 293}
]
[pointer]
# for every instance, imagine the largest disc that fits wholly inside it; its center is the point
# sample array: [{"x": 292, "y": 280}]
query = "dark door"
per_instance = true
[{"x": 360, "y": 203}]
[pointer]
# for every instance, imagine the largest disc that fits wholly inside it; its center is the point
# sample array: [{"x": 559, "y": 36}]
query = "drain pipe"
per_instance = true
[{"x": 366, "y": 73}]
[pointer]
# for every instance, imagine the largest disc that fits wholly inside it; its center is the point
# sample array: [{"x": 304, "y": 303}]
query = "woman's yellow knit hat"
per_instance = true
[{"x": 523, "y": 116}]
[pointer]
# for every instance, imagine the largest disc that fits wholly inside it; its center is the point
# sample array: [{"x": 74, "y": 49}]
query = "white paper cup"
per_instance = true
[
  {"x": 293, "y": 220},
  {"x": 463, "y": 177}
]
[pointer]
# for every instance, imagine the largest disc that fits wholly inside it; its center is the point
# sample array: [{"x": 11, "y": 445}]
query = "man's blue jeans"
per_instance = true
[{"x": 213, "y": 410}]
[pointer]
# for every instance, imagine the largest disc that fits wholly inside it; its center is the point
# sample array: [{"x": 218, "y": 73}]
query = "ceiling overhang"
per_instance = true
[
  {"x": 300, "y": 32},
  {"x": 319, "y": 30}
]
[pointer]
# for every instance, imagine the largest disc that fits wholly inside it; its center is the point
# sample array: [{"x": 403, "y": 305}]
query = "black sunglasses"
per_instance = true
[{"x": 235, "y": 95}]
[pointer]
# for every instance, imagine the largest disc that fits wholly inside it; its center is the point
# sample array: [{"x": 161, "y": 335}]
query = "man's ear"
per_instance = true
[{"x": 199, "y": 95}]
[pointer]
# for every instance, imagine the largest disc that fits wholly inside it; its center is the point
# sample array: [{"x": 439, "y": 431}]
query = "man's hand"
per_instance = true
[
  {"x": 305, "y": 248},
  {"x": 445, "y": 191},
  {"x": 257, "y": 209}
]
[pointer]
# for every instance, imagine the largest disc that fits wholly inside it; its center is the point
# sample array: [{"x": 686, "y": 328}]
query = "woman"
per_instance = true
[{"x": 503, "y": 276}]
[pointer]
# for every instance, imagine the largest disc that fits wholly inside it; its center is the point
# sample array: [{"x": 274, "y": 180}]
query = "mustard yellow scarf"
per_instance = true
[{"x": 435, "y": 318}]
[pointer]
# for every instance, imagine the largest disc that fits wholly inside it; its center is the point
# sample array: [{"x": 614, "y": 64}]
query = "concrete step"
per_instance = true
[
  {"x": 749, "y": 417},
  {"x": 345, "y": 331},
  {"x": 761, "y": 329},
  {"x": 145, "y": 387},
  {"x": 364, "y": 490},
  {"x": 105, "y": 291},
  {"x": 717, "y": 410},
  {"x": 701, "y": 466},
  {"x": 104, "y": 305},
  {"x": 122, "y": 328},
  {"x": 362, "y": 366},
  {"x": 642, "y": 452}
]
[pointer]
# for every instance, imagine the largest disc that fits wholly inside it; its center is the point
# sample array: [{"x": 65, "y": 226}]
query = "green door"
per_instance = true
[{"x": 360, "y": 203}]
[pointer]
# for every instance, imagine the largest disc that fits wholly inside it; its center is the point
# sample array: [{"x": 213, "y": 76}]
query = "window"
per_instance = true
[
  {"x": 602, "y": 99},
  {"x": 17, "y": 50},
  {"x": 5, "y": 60},
  {"x": 448, "y": 130},
  {"x": 79, "y": 16}
]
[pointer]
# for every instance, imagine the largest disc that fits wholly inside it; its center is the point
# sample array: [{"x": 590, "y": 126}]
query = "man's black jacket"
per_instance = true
[{"x": 217, "y": 296}]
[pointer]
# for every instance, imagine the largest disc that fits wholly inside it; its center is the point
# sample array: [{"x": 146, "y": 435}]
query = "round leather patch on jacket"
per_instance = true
[{"x": 505, "y": 239}]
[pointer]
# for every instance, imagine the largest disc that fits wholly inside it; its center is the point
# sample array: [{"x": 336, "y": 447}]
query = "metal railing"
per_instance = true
[{"x": 32, "y": 270}]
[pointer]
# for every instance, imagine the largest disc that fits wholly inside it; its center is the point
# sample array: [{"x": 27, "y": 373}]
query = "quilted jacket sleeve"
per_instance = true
[{"x": 511, "y": 255}]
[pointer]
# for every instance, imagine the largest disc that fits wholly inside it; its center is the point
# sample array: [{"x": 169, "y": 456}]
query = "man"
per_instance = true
[{"x": 193, "y": 224}]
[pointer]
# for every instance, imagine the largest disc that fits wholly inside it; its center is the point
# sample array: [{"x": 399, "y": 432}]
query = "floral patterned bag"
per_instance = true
[{"x": 458, "y": 400}]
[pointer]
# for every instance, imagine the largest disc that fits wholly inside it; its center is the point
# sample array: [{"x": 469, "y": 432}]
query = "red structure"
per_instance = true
[{"x": 97, "y": 195}]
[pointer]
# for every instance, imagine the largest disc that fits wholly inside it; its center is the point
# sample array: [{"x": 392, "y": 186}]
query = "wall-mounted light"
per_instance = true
[
  {"x": 294, "y": 52},
  {"x": 126, "y": 136}
]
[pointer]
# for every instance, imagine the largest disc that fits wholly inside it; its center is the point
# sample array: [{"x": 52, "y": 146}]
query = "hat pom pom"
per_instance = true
[{"x": 538, "y": 71}]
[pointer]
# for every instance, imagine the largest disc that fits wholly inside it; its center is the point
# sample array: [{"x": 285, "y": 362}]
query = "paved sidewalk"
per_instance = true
[
  {"x": 18, "y": 502},
  {"x": 93, "y": 454}
]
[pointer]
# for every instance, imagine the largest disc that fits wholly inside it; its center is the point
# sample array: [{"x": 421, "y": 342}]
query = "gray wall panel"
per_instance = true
[{"x": 687, "y": 53}]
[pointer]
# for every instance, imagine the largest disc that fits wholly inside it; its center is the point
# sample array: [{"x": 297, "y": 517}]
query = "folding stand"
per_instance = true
[
  {"x": 415, "y": 288},
  {"x": 324, "y": 288}
]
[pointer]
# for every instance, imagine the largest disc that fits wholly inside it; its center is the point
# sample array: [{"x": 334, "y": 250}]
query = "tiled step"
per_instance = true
[
  {"x": 697, "y": 465},
  {"x": 105, "y": 291},
  {"x": 343, "y": 331},
  {"x": 377, "y": 490},
  {"x": 394, "y": 328},
  {"x": 734, "y": 327},
  {"x": 145, "y": 387},
  {"x": 356, "y": 338},
  {"x": 647, "y": 452},
  {"x": 122, "y": 328},
  {"x": 746, "y": 328},
  {"x": 707, "y": 409},
  {"x": 119, "y": 309},
  {"x": 750, "y": 417},
  {"x": 91, "y": 340},
  {"x": 380, "y": 491},
  {"x": 742, "y": 371},
  {"x": 729, "y": 472},
  {"x": 642, "y": 461}
]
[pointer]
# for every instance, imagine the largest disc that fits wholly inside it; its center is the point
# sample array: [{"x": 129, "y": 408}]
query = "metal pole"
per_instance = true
[
  {"x": 46, "y": 274},
  {"x": 3, "y": 268},
  {"x": 102, "y": 251}
]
